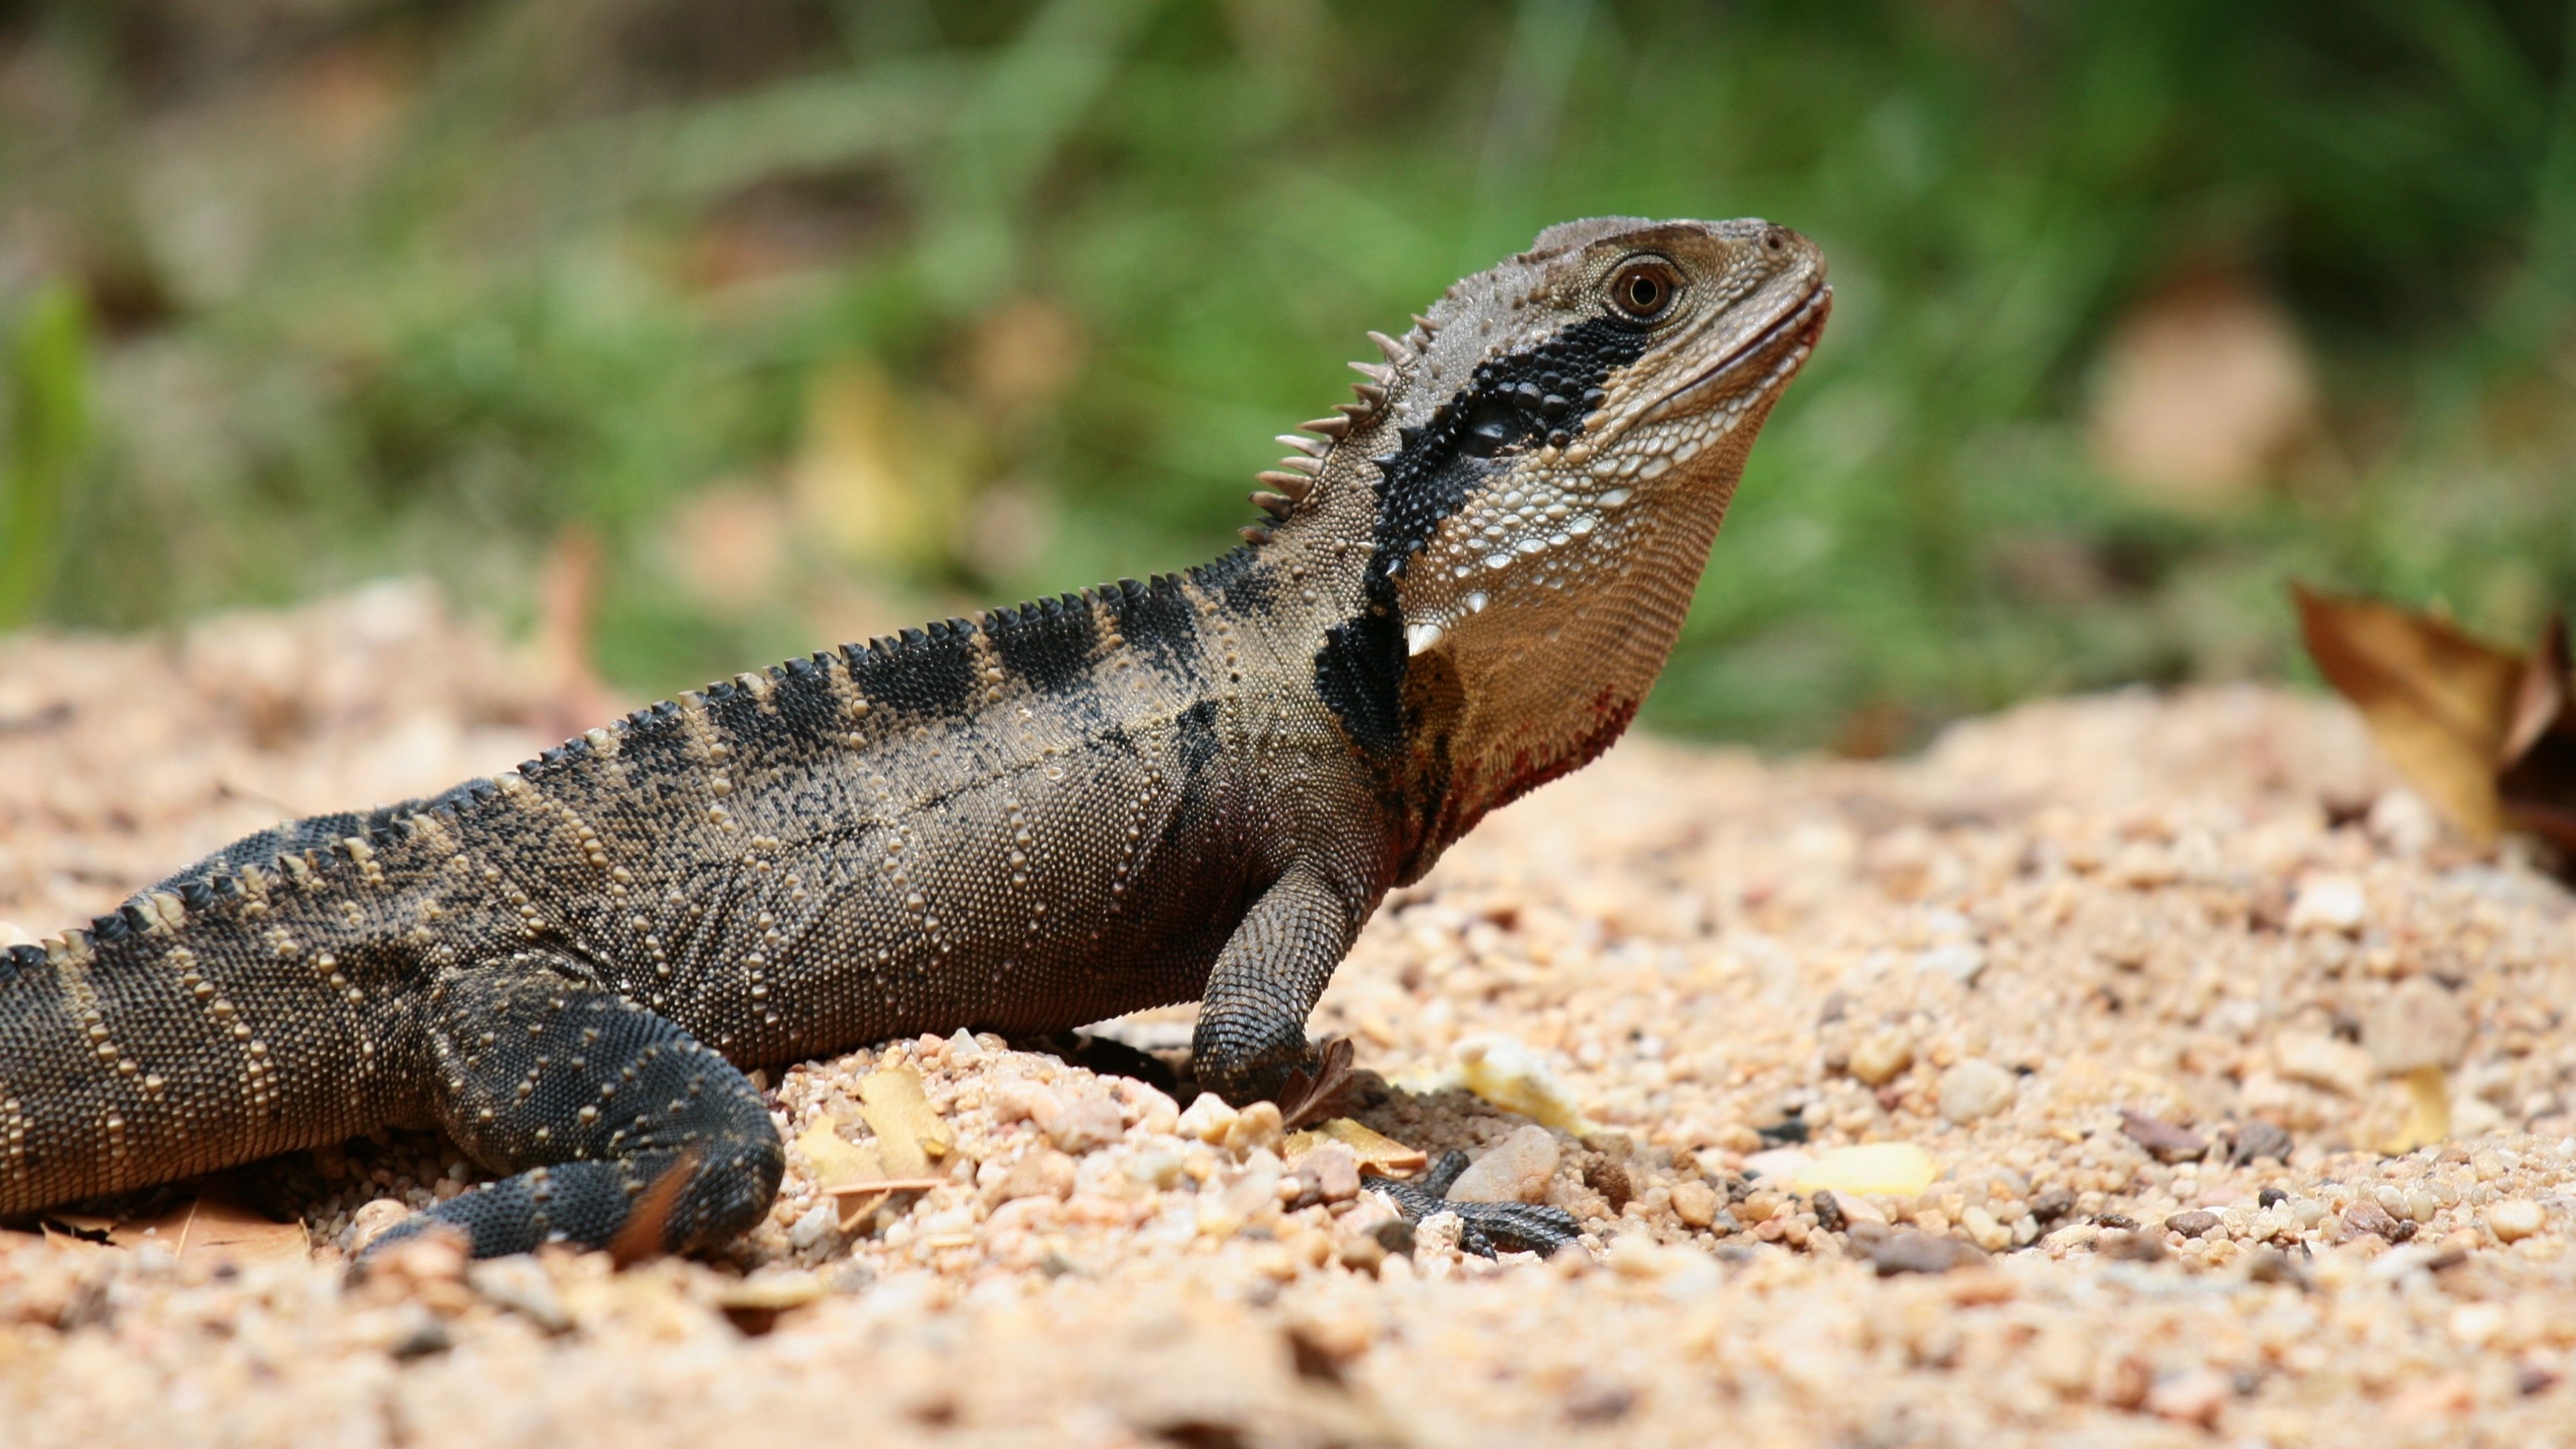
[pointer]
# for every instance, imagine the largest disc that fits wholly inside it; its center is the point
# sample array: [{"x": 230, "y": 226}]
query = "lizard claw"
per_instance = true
[
  {"x": 1483, "y": 1227},
  {"x": 1310, "y": 1094}
]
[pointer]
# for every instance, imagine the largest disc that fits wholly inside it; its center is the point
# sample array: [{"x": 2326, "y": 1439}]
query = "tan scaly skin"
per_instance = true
[{"x": 1196, "y": 787}]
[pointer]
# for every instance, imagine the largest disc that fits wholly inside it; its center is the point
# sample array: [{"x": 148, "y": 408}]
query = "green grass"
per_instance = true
[{"x": 380, "y": 287}]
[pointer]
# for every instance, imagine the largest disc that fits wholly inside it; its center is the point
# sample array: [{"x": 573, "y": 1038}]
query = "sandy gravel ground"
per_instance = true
[{"x": 2132, "y": 1005}]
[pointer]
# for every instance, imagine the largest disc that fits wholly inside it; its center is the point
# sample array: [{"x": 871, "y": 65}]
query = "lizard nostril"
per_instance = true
[{"x": 1775, "y": 241}]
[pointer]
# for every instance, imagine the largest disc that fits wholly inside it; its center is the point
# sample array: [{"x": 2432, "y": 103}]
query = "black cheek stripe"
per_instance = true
[{"x": 1548, "y": 392}]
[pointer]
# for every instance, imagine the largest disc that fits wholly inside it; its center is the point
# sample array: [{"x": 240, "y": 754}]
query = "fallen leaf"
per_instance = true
[
  {"x": 2538, "y": 787},
  {"x": 835, "y": 1159},
  {"x": 2439, "y": 701},
  {"x": 2428, "y": 1111},
  {"x": 885, "y": 1185},
  {"x": 216, "y": 1225},
  {"x": 1376, "y": 1152},
  {"x": 909, "y": 1134},
  {"x": 858, "y": 1199}
]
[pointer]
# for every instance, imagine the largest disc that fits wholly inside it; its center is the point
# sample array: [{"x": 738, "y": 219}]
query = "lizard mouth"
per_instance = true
[{"x": 1786, "y": 340}]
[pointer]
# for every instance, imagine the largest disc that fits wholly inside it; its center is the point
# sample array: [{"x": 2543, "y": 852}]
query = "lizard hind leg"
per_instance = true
[{"x": 620, "y": 1130}]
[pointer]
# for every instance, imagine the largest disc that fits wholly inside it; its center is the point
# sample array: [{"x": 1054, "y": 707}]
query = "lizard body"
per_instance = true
[{"x": 1194, "y": 787}]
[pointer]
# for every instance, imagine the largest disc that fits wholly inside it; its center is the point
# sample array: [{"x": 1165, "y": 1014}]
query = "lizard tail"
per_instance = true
[{"x": 229, "y": 1014}]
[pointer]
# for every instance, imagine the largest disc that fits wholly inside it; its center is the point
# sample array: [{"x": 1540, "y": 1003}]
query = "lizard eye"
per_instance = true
[{"x": 1643, "y": 288}]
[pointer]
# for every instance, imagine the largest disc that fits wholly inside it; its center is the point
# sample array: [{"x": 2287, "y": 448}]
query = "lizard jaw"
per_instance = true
[{"x": 1792, "y": 334}]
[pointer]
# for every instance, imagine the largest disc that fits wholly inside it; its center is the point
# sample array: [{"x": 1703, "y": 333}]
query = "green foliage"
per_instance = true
[
  {"x": 48, "y": 422},
  {"x": 827, "y": 314}
]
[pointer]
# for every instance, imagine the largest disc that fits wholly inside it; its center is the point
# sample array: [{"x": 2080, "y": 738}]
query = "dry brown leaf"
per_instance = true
[
  {"x": 216, "y": 1225},
  {"x": 1377, "y": 1153},
  {"x": 909, "y": 1134},
  {"x": 858, "y": 1199},
  {"x": 2440, "y": 702},
  {"x": 2539, "y": 782},
  {"x": 885, "y": 1185}
]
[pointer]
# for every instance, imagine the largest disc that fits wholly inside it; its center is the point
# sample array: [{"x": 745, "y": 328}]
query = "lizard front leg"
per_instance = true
[
  {"x": 622, "y": 1131},
  {"x": 1250, "y": 1044}
]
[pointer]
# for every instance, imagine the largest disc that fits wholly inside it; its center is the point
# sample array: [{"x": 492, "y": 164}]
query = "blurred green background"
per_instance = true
[{"x": 738, "y": 328}]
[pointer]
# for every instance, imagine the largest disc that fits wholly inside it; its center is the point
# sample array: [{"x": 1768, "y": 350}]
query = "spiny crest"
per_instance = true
[{"x": 1293, "y": 481}]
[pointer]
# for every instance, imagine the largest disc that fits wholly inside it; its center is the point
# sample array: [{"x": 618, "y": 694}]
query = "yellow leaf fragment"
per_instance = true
[
  {"x": 1873, "y": 1169},
  {"x": 771, "y": 1291},
  {"x": 909, "y": 1134},
  {"x": 835, "y": 1159},
  {"x": 1376, "y": 1152},
  {"x": 2439, "y": 702},
  {"x": 1510, "y": 1075},
  {"x": 2428, "y": 1111}
]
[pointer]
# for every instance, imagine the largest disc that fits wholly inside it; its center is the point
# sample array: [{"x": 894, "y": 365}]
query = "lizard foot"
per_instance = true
[
  {"x": 1483, "y": 1227},
  {"x": 1312, "y": 1093}
]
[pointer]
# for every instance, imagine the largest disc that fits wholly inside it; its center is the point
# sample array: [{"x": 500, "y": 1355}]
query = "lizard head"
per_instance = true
[{"x": 1554, "y": 446}]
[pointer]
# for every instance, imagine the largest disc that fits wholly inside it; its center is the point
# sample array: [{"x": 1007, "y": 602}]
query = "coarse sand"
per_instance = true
[{"x": 2215, "y": 1095}]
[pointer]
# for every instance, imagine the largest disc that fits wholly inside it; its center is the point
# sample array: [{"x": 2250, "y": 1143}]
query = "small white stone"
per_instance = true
[
  {"x": 2329, "y": 903},
  {"x": 2420, "y": 1024},
  {"x": 1516, "y": 1169},
  {"x": 1207, "y": 1119},
  {"x": 2515, "y": 1219},
  {"x": 2323, "y": 1061},
  {"x": 1975, "y": 1089},
  {"x": 1984, "y": 1231},
  {"x": 1960, "y": 961},
  {"x": 818, "y": 1220}
]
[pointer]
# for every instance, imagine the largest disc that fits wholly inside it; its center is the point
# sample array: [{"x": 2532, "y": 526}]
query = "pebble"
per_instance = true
[
  {"x": 1043, "y": 1172},
  {"x": 2515, "y": 1219},
  {"x": 2163, "y": 1141},
  {"x": 371, "y": 1221},
  {"x": 2367, "y": 1216},
  {"x": 519, "y": 1283},
  {"x": 1880, "y": 1057},
  {"x": 1257, "y": 1128},
  {"x": 817, "y": 1223},
  {"x": 1778, "y": 1164},
  {"x": 2193, "y": 1397},
  {"x": 1911, "y": 1252},
  {"x": 1975, "y": 1089},
  {"x": 2193, "y": 1224},
  {"x": 2420, "y": 1024},
  {"x": 1516, "y": 1169},
  {"x": 2323, "y": 1061},
  {"x": 2259, "y": 1139},
  {"x": 1087, "y": 1123},
  {"x": 1333, "y": 1170},
  {"x": 1695, "y": 1203},
  {"x": 2328, "y": 903},
  {"x": 1984, "y": 1230},
  {"x": 1207, "y": 1119},
  {"x": 1960, "y": 961}
]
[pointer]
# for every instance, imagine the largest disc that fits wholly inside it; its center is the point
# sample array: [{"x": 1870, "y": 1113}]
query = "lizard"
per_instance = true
[{"x": 1194, "y": 787}]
